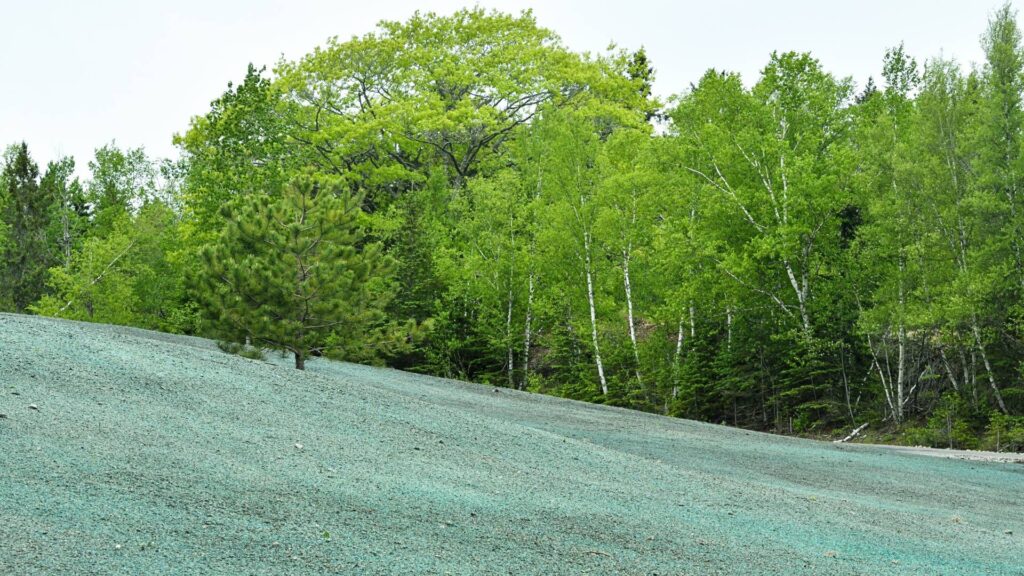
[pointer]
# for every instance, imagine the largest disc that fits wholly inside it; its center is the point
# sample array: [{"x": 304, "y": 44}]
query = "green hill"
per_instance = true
[{"x": 131, "y": 452}]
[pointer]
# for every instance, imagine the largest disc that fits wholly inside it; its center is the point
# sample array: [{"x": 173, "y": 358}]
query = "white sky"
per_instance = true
[{"x": 76, "y": 74}]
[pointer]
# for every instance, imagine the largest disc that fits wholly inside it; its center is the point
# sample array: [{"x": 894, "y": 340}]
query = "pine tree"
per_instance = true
[
  {"x": 293, "y": 273},
  {"x": 641, "y": 73},
  {"x": 27, "y": 216}
]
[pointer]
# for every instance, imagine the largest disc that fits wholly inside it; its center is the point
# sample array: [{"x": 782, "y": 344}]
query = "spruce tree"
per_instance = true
[
  {"x": 27, "y": 211},
  {"x": 70, "y": 210},
  {"x": 294, "y": 273},
  {"x": 641, "y": 73}
]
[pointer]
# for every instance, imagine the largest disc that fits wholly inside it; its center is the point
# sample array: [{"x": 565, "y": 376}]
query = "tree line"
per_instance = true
[{"x": 465, "y": 196}]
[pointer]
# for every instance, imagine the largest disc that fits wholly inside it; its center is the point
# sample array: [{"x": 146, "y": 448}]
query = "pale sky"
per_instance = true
[{"x": 75, "y": 74}]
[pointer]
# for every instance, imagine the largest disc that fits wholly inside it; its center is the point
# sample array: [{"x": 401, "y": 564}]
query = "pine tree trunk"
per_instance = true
[{"x": 300, "y": 360}]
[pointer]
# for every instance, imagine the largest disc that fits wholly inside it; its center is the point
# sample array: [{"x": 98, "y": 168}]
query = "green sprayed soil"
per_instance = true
[{"x": 156, "y": 454}]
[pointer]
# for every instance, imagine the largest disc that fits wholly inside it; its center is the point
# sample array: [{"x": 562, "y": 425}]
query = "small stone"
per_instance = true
[
  {"x": 1008, "y": 532},
  {"x": 299, "y": 446},
  {"x": 117, "y": 546},
  {"x": 33, "y": 407},
  {"x": 2, "y": 416},
  {"x": 275, "y": 544},
  {"x": 831, "y": 554}
]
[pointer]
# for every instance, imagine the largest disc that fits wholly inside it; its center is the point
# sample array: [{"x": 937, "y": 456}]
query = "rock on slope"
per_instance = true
[{"x": 156, "y": 454}]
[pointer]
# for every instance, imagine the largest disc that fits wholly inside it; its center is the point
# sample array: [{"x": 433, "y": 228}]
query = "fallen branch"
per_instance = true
[{"x": 853, "y": 434}]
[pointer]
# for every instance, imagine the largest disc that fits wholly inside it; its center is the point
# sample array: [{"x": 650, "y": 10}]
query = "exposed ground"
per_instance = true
[
  {"x": 977, "y": 455},
  {"x": 130, "y": 452}
]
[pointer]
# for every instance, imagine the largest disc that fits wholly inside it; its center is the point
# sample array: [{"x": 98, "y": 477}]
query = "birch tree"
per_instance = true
[{"x": 572, "y": 209}]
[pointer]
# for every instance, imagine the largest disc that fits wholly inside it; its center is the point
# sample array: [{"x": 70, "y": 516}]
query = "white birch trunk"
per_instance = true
[
  {"x": 508, "y": 338},
  {"x": 528, "y": 323},
  {"x": 629, "y": 310},
  {"x": 679, "y": 341},
  {"x": 527, "y": 335},
  {"x": 728, "y": 327},
  {"x": 801, "y": 297},
  {"x": 949, "y": 369},
  {"x": 988, "y": 367},
  {"x": 885, "y": 383},
  {"x": 593, "y": 313},
  {"x": 677, "y": 359},
  {"x": 901, "y": 336}
]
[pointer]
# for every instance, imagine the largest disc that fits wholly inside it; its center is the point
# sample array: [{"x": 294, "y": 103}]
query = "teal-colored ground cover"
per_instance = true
[{"x": 157, "y": 454}]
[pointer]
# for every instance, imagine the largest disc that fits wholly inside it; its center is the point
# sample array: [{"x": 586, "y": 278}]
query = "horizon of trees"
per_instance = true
[{"x": 797, "y": 255}]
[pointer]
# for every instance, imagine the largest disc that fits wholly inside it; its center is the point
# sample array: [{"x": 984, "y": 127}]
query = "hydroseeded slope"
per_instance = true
[{"x": 155, "y": 454}]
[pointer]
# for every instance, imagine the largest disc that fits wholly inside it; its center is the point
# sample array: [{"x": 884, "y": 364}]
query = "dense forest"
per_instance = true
[{"x": 465, "y": 196}]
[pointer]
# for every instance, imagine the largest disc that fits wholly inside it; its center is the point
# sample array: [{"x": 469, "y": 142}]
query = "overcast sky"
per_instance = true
[{"x": 75, "y": 74}]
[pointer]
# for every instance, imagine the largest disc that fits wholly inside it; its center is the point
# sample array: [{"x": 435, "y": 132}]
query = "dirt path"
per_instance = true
[{"x": 976, "y": 455}]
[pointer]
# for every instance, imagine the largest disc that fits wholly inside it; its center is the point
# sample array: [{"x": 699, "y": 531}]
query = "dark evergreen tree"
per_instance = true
[
  {"x": 869, "y": 90},
  {"x": 27, "y": 216},
  {"x": 293, "y": 273},
  {"x": 69, "y": 220},
  {"x": 642, "y": 74}
]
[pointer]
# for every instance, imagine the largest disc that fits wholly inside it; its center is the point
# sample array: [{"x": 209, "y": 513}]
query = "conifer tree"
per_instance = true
[
  {"x": 641, "y": 73},
  {"x": 26, "y": 215},
  {"x": 69, "y": 219},
  {"x": 294, "y": 273}
]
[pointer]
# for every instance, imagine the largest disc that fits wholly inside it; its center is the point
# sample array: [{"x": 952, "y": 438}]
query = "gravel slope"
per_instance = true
[{"x": 154, "y": 454}]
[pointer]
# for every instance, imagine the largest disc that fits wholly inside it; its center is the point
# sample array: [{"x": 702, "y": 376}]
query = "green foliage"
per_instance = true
[
  {"x": 291, "y": 272},
  {"x": 70, "y": 211},
  {"x": 235, "y": 149},
  {"x": 121, "y": 181},
  {"x": 492, "y": 206},
  {"x": 128, "y": 276},
  {"x": 435, "y": 91},
  {"x": 1005, "y": 433},
  {"x": 948, "y": 426},
  {"x": 240, "y": 349},
  {"x": 26, "y": 218}
]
